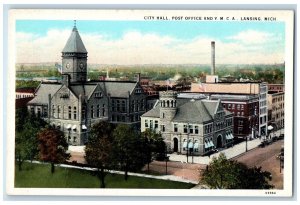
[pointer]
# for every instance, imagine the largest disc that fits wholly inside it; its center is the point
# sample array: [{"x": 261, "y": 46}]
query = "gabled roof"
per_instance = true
[
  {"x": 83, "y": 89},
  {"x": 42, "y": 92},
  {"x": 74, "y": 43},
  {"x": 193, "y": 112},
  {"x": 118, "y": 89}
]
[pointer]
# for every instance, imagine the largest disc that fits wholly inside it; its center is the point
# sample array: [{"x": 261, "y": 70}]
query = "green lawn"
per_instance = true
[{"x": 39, "y": 176}]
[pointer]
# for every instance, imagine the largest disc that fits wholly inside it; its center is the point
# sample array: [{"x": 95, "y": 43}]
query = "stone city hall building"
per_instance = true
[
  {"x": 75, "y": 104},
  {"x": 193, "y": 125}
]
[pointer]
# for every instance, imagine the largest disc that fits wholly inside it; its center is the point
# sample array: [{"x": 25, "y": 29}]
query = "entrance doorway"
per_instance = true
[
  {"x": 175, "y": 141},
  {"x": 219, "y": 141}
]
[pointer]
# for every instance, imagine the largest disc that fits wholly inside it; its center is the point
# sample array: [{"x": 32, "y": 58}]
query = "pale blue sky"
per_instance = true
[
  {"x": 144, "y": 42},
  {"x": 179, "y": 29}
]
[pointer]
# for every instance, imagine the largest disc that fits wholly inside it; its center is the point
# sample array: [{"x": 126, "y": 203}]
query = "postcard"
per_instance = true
[{"x": 150, "y": 102}]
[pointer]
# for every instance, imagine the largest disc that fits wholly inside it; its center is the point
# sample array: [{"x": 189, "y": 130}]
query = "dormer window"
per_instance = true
[
  {"x": 98, "y": 95},
  {"x": 138, "y": 90}
]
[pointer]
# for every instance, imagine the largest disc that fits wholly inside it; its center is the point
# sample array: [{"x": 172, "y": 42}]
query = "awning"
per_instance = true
[
  {"x": 196, "y": 145},
  {"x": 205, "y": 145},
  {"x": 69, "y": 126},
  {"x": 231, "y": 136},
  {"x": 211, "y": 144},
  {"x": 190, "y": 145},
  {"x": 184, "y": 144},
  {"x": 83, "y": 127},
  {"x": 270, "y": 127},
  {"x": 228, "y": 137},
  {"x": 74, "y": 127}
]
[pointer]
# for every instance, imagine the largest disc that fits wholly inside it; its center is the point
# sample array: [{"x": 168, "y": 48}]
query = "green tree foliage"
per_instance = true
[
  {"x": 27, "y": 127},
  {"x": 128, "y": 149},
  {"x": 52, "y": 146},
  {"x": 154, "y": 146},
  {"x": 98, "y": 151},
  {"x": 27, "y": 84},
  {"x": 227, "y": 174}
]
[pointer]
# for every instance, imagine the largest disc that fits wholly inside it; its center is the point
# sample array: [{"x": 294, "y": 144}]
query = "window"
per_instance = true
[
  {"x": 238, "y": 107},
  {"x": 98, "y": 110},
  {"x": 185, "y": 128},
  {"x": 146, "y": 123},
  {"x": 240, "y": 122},
  {"x": 123, "y": 108},
  {"x": 113, "y": 118},
  {"x": 58, "y": 111},
  {"x": 191, "y": 129},
  {"x": 155, "y": 124},
  {"x": 74, "y": 139},
  {"x": 238, "y": 113},
  {"x": 233, "y": 106},
  {"x": 242, "y": 113},
  {"x": 163, "y": 128},
  {"x": 98, "y": 94},
  {"x": 163, "y": 115},
  {"x": 151, "y": 124},
  {"x": 103, "y": 110},
  {"x": 74, "y": 113},
  {"x": 45, "y": 112},
  {"x": 39, "y": 112},
  {"x": 240, "y": 130},
  {"x": 70, "y": 112},
  {"x": 242, "y": 107},
  {"x": 197, "y": 130},
  {"x": 175, "y": 127},
  {"x": 92, "y": 111}
]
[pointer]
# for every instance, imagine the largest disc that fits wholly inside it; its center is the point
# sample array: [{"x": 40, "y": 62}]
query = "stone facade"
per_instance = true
[
  {"x": 75, "y": 104},
  {"x": 197, "y": 126}
]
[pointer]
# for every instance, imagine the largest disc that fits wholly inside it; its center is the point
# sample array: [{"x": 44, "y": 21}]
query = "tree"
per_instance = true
[
  {"x": 98, "y": 151},
  {"x": 154, "y": 145},
  {"x": 52, "y": 146},
  {"x": 222, "y": 173},
  {"x": 128, "y": 149},
  {"x": 26, "y": 143}
]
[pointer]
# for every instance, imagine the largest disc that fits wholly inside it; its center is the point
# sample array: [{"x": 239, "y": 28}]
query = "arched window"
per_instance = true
[
  {"x": 70, "y": 112},
  {"x": 168, "y": 103},
  {"x": 92, "y": 111},
  {"x": 98, "y": 110},
  {"x": 74, "y": 113},
  {"x": 172, "y": 103},
  {"x": 164, "y": 104},
  {"x": 53, "y": 111}
]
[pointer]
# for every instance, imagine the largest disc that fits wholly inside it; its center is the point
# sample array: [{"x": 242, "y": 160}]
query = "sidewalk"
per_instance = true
[{"x": 229, "y": 153}]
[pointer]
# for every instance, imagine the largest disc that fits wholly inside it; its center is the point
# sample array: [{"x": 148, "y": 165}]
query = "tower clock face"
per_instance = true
[
  {"x": 68, "y": 65},
  {"x": 81, "y": 65}
]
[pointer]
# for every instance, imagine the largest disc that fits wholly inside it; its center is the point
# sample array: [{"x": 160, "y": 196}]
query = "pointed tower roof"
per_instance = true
[{"x": 74, "y": 43}]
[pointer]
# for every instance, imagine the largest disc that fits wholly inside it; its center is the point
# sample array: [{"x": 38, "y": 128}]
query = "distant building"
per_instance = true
[
  {"x": 24, "y": 93},
  {"x": 276, "y": 110},
  {"x": 272, "y": 88},
  {"x": 245, "y": 111},
  {"x": 240, "y": 88},
  {"x": 75, "y": 104},
  {"x": 197, "y": 126}
]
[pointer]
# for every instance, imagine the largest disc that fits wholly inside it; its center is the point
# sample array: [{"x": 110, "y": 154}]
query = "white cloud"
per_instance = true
[
  {"x": 252, "y": 37},
  {"x": 135, "y": 47}
]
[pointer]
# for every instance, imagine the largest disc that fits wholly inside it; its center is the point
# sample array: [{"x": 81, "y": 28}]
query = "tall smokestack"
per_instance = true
[{"x": 213, "y": 60}]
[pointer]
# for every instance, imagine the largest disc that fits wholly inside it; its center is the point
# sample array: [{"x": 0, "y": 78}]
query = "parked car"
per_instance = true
[{"x": 281, "y": 136}]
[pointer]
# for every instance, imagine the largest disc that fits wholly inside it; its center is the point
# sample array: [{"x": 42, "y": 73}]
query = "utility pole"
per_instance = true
[{"x": 187, "y": 145}]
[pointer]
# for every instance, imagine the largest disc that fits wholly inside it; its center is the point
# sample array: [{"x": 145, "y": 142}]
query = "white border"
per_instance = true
[{"x": 286, "y": 16}]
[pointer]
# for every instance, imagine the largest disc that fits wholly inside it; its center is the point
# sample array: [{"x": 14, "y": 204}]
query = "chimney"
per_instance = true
[
  {"x": 66, "y": 79},
  {"x": 213, "y": 60},
  {"x": 138, "y": 78}
]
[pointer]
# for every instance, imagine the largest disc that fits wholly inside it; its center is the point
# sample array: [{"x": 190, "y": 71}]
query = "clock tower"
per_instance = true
[{"x": 74, "y": 58}]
